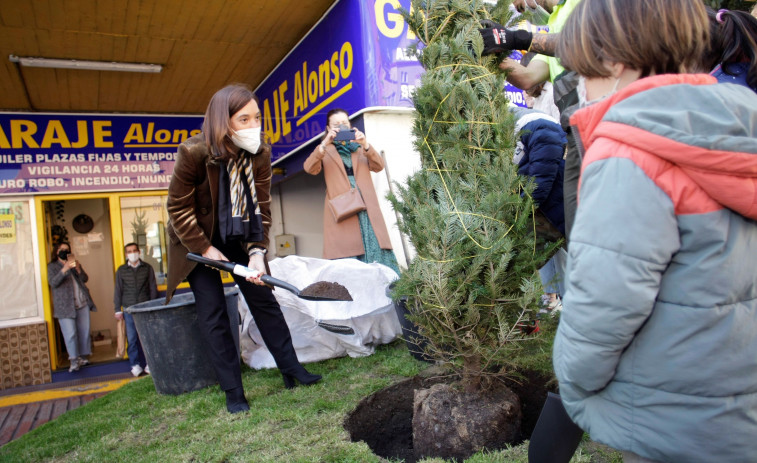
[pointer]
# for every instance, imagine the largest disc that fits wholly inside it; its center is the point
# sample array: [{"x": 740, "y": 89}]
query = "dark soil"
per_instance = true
[
  {"x": 327, "y": 290},
  {"x": 384, "y": 420}
]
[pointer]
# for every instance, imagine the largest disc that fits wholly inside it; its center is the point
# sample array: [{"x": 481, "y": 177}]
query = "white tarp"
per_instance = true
[{"x": 370, "y": 316}]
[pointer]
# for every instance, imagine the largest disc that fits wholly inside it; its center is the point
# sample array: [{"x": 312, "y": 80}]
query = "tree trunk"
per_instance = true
[{"x": 472, "y": 374}]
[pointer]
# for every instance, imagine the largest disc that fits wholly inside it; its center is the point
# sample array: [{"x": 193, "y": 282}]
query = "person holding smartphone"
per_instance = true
[
  {"x": 347, "y": 160},
  {"x": 71, "y": 303}
]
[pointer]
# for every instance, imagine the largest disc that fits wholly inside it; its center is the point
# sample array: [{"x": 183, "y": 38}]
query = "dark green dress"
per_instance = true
[{"x": 373, "y": 252}]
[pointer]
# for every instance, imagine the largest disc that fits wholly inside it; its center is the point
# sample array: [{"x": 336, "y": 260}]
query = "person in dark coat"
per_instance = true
[
  {"x": 71, "y": 303},
  {"x": 135, "y": 283},
  {"x": 539, "y": 152}
]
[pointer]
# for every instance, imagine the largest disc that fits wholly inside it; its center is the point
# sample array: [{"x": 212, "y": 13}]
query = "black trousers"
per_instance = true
[{"x": 215, "y": 325}]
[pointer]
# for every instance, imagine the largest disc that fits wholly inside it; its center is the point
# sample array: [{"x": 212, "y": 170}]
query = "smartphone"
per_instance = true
[{"x": 345, "y": 134}]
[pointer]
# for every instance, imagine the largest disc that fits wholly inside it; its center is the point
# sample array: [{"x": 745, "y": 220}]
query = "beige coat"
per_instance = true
[{"x": 343, "y": 239}]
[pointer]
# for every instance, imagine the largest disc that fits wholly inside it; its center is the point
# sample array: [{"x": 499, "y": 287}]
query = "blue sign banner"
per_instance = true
[
  {"x": 325, "y": 70},
  {"x": 354, "y": 58},
  {"x": 55, "y": 153}
]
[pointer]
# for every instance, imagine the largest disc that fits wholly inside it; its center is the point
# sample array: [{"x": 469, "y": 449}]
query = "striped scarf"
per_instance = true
[
  {"x": 239, "y": 206},
  {"x": 239, "y": 217}
]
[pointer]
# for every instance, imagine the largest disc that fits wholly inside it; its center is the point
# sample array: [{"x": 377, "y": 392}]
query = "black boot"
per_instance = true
[
  {"x": 555, "y": 437},
  {"x": 301, "y": 374},
  {"x": 235, "y": 400}
]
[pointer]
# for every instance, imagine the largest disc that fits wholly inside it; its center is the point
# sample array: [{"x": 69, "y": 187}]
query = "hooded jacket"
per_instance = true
[
  {"x": 656, "y": 351},
  {"x": 539, "y": 154}
]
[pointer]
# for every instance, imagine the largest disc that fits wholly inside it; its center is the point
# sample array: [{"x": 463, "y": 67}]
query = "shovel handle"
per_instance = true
[
  {"x": 268, "y": 279},
  {"x": 231, "y": 267},
  {"x": 242, "y": 271}
]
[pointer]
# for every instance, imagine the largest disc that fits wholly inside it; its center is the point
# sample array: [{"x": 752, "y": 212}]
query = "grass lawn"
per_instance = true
[{"x": 135, "y": 424}]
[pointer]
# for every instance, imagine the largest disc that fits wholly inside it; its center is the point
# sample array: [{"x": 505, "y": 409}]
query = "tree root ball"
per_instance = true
[{"x": 449, "y": 423}]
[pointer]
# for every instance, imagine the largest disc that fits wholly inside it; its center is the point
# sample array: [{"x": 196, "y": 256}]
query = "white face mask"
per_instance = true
[
  {"x": 539, "y": 16},
  {"x": 133, "y": 257},
  {"x": 583, "y": 99},
  {"x": 247, "y": 139}
]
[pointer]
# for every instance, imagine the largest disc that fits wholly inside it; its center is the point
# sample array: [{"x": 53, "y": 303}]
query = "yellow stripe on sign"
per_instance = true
[
  {"x": 323, "y": 103},
  {"x": 71, "y": 391}
]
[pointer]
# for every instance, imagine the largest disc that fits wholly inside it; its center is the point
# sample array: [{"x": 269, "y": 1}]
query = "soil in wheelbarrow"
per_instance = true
[{"x": 328, "y": 290}]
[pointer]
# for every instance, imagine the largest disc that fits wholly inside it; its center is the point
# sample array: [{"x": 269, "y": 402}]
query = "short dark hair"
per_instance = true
[
  {"x": 216, "y": 127},
  {"x": 131, "y": 244},
  {"x": 652, "y": 36}
]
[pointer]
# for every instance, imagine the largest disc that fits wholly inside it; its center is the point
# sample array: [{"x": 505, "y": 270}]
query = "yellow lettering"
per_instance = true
[
  {"x": 22, "y": 131},
  {"x": 55, "y": 134},
  {"x": 81, "y": 128},
  {"x": 324, "y": 84},
  {"x": 305, "y": 84},
  {"x": 4, "y": 140},
  {"x": 286, "y": 126},
  {"x": 275, "y": 118},
  {"x": 334, "y": 69},
  {"x": 267, "y": 122},
  {"x": 134, "y": 134},
  {"x": 163, "y": 136},
  {"x": 150, "y": 128},
  {"x": 410, "y": 34},
  {"x": 195, "y": 132},
  {"x": 345, "y": 69},
  {"x": 395, "y": 19},
  {"x": 99, "y": 133},
  {"x": 312, "y": 87},
  {"x": 179, "y": 136},
  {"x": 299, "y": 97}
]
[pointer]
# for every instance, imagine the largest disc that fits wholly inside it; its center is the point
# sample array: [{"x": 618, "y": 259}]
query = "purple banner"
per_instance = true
[
  {"x": 392, "y": 72},
  {"x": 325, "y": 70},
  {"x": 354, "y": 58},
  {"x": 56, "y": 153}
]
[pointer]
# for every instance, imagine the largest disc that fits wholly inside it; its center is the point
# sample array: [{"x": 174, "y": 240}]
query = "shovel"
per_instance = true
[{"x": 245, "y": 272}]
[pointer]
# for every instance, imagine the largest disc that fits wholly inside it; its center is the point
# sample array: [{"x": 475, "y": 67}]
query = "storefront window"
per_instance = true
[
  {"x": 144, "y": 221},
  {"x": 17, "y": 269}
]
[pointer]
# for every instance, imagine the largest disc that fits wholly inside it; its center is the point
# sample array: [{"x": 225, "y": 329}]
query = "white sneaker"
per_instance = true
[
  {"x": 74, "y": 365},
  {"x": 136, "y": 370},
  {"x": 83, "y": 361},
  {"x": 147, "y": 369}
]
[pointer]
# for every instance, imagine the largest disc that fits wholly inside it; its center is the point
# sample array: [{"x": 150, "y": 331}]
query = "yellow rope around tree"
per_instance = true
[
  {"x": 439, "y": 170},
  {"x": 433, "y": 156}
]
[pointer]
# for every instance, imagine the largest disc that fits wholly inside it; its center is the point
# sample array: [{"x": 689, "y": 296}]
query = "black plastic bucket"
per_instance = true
[
  {"x": 173, "y": 344},
  {"x": 416, "y": 343}
]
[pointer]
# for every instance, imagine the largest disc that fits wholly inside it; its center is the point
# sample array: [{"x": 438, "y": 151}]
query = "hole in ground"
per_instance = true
[{"x": 384, "y": 420}]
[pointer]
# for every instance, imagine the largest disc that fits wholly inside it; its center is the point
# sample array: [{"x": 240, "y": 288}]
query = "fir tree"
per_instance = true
[{"x": 474, "y": 283}]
